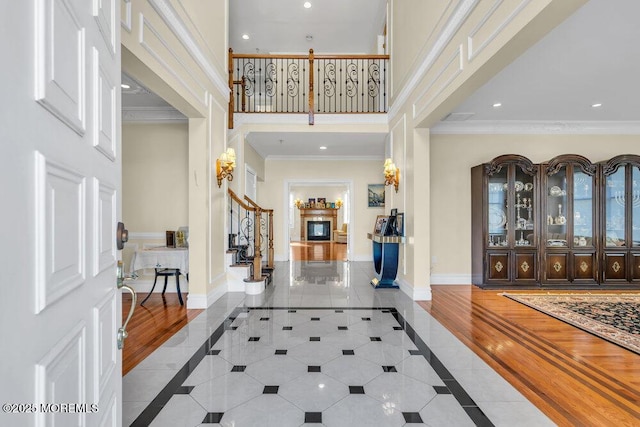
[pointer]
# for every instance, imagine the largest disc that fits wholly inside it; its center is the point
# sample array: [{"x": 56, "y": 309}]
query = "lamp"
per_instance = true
[
  {"x": 339, "y": 203},
  {"x": 391, "y": 174},
  {"x": 225, "y": 165}
]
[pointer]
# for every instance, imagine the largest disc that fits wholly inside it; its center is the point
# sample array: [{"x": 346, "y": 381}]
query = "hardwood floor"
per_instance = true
[
  {"x": 575, "y": 378},
  {"x": 152, "y": 325},
  {"x": 318, "y": 251}
]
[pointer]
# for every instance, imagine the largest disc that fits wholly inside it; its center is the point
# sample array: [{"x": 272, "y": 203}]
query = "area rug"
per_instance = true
[{"x": 615, "y": 318}]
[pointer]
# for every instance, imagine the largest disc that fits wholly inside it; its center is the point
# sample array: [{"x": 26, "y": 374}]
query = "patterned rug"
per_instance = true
[{"x": 614, "y": 317}]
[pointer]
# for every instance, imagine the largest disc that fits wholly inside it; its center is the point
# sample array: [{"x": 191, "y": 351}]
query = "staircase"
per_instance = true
[{"x": 250, "y": 246}]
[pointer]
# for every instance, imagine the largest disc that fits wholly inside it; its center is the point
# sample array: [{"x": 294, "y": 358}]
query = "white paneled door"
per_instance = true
[{"x": 60, "y": 139}]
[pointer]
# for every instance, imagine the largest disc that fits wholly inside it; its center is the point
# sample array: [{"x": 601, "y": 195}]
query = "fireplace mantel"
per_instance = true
[{"x": 317, "y": 214}]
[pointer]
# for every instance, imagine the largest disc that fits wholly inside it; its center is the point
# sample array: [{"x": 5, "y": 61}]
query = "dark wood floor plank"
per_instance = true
[{"x": 571, "y": 375}]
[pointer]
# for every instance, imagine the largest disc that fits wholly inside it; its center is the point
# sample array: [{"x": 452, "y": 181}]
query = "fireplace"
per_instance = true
[{"x": 318, "y": 230}]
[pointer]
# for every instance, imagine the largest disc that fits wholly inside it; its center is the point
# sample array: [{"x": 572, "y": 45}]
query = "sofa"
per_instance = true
[{"x": 341, "y": 235}]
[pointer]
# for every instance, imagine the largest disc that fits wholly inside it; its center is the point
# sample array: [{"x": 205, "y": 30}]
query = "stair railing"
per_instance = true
[
  {"x": 266, "y": 230},
  {"x": 244, "y": 234}
]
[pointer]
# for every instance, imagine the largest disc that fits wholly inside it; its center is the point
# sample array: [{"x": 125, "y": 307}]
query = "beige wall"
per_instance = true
[
  {"x": 453, "y": 156},
  {"x": 273, "y": 194},
  {"x": 177, "y": 48},
  {"x": 154, "y": 177}
]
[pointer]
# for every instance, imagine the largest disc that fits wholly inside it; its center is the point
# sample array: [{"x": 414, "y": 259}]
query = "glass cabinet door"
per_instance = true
[
  {"x": 523, "y": 204},
  {"x": 635, "y": 212},
  {"x": 497, "y": 209},
  {"x": 615, "y": 215},
  {"x": 556, "y": 215},
  {"x": 582, "y": 210}
]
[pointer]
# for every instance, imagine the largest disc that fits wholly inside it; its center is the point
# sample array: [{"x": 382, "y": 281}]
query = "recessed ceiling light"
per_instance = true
[
  {"x": 245, "y": 36},
  {"x": 497, "y": 104},
  {"x": 323, "y": 147},
  {"x": 307, "y": 4},
  {"x": 596, "y": 105},
  {"x": 125, "y": 86}
]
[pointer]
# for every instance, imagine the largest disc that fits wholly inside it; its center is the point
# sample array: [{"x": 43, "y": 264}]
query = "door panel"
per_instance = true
[
  {"x": 635, "y": 266},
  {"x": 615, "y": 267},
  {"x": 583, "y": 267},
  {"x": 498, "y": 266},
  {"x": 62, "y": 134},
  {"x": 526, "y": 266},
  {"x": 556, "y": 268}
]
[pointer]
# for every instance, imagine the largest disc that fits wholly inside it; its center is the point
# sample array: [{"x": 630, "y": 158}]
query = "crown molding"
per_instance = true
[
  {"x": 142, "y": 115},
  {"x": 173, "y": 20},
  {"x": 540, "y": 127}
]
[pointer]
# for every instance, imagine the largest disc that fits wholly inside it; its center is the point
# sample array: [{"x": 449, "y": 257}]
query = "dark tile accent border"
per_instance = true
[
  {"x": 470, "y": 407},
  {"x": 343, "y": 328},
  {"x": 212, "y": 417},
  {"x": 213, "y": 352},
  {"x": 281, "y": 352},
  {"x": 441, "y": 389},
  {"x": 270, "y": 389},
  {"x": 389, "y": 369},
  {"x": 375, "y": 338},
  {"x": 348, "y": 353},
  {"x": 314, "y": 338},
  {"x": 314, "y": 368},
  {"x": 185, "y": 389},
  {"x": 356, "y": 389},
  {"x": 238, "y": 368},
  {"x": 287, "y": 328}
]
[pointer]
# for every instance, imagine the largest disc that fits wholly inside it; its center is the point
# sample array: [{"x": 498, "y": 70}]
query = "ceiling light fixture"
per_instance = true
[
  {"x": 307, "y": 4},
  {"x": 497, "y": 104},
  {"x": 596, "y": 105},
  {"x": 309, "y": 37},
  {"x": 125, "y": 86},
  {"x": 245, "y": 36},
  {"x": 323, "y": 147}
]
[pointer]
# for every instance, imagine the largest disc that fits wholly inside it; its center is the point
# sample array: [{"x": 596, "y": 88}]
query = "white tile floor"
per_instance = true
[{"x": 319, "y": 347}]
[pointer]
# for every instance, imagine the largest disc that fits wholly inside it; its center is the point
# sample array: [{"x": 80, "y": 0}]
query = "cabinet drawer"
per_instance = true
[{"x": 635, "y": 266}]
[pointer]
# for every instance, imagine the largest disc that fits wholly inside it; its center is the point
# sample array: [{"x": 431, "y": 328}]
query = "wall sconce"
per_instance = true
[
  {"x": 391, "y": 174},
  {"x": 298, "y": 203},
  {"x": 339, "y": 203},
  {"x": 225, "y": 165}
]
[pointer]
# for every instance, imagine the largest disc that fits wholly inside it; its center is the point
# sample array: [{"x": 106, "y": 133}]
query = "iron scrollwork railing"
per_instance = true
[
  {"x": 307, "y": 84},
  {"x": 250, "y": 234}
]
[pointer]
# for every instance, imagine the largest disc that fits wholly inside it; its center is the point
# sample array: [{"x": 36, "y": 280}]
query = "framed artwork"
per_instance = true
[
  {"x": 375, "y": 196},
  {"x": 400, "y": 224},
  {"x": 381, "y": 225},
  {"x": 312, "y": 202},
  {"x": 322, "y": 200}
]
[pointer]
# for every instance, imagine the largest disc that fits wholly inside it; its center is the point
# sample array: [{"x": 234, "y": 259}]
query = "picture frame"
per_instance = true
[
  {"x": 375, "y": 195},
  {"x": 171, "y": 239},
  {"x": 381, "y": 225},
  {"x": 322, "y": 200},
  {"x": 400, "y": 224},
  {"x": 312, "y": 202}
]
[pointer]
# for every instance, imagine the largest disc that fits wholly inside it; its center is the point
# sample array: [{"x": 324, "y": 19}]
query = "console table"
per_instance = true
[{"x": 385, "y": 259}]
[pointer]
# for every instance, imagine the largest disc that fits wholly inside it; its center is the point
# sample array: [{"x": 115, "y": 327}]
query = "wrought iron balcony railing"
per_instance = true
[{"x": 307, "y": 84}]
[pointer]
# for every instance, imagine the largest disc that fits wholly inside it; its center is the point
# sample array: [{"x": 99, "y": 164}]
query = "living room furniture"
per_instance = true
[
  {"x": 341, "y": 235},
  {"x": 166, "y": 262}
]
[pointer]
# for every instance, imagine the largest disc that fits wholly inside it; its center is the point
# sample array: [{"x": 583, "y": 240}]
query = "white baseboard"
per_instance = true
[
  {"x": 420, "y": 294},
  {"x": 203, "y": 301},
  {"x": 450, "y": 279},
  {"x": 358, "y": 258},
  {"x": 280, "y": 258}
]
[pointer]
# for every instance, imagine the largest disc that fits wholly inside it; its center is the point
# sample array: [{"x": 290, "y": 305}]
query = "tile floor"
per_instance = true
[{"x": 320, "y": 347}]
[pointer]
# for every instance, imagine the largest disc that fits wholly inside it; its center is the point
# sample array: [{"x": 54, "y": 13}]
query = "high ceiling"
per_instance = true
[
  {"x": 591, "y": 58},
  {"x": 284, "y": 26}
]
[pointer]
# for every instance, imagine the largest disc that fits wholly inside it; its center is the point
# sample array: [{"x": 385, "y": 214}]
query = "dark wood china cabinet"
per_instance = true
[
  {"x": 505, "y": 221},
  {"x": 620, "y": 228},
  {"x": 565, "y": 223},
  {"x": 569, "y": 249}
]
